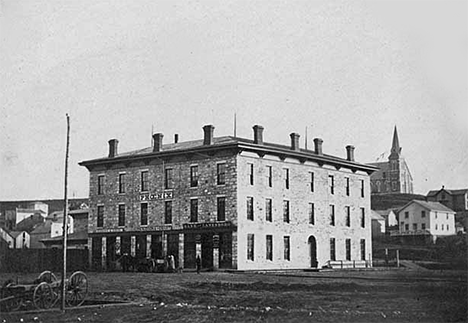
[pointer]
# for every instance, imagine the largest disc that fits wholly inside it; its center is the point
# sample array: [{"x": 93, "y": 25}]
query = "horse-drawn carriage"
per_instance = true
[{"x": 44, "y": 292}]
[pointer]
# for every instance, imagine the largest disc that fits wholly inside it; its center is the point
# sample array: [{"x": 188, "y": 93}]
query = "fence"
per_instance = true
[{"x": 37, "y": 260}]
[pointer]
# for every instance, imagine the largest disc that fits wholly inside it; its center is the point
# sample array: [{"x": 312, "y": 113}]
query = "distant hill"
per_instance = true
[
  {"x": 54, "y": 205},
  {"x": 393, "y": 201}
]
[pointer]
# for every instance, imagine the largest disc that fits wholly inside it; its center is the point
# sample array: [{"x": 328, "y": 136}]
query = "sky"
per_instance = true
[{"x": 349, "y": 71}]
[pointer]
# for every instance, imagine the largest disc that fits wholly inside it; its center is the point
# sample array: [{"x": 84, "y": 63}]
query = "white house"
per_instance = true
[
  {"x": 422, "y": 218},
  {"x": 15, "y": 239}
]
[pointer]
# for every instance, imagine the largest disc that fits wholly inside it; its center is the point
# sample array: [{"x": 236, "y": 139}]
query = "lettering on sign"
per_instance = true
[{"x": 157, "y": 196}]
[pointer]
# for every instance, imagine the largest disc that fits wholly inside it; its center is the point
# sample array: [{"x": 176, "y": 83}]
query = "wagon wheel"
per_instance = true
[
  {"x": 47, "y": 276},
  {"x": 77, "y": 289},
  {"x": 10, "y": 302},
  {"x": 43, "y": 297}
]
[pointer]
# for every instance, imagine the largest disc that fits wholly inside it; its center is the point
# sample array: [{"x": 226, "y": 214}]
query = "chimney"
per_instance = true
[
  {"x": 350, "y": 153},
  {"x": 258, "y": 134},
  {"x": 294, "y": 141},
  {"x": 157, "y": 142},
  {"x": 113, "y": 143},
  {"x": 318, "y": 146},
  {"x": 208, "y": 134},
  {"x": 176, "y": 138}
]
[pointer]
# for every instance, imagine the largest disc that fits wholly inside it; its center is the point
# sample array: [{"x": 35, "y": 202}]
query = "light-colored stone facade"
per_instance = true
[{"x": 222, "y": 243}]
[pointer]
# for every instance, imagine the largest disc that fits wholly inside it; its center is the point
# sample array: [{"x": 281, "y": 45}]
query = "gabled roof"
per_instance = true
[
  {"x": 28, "y": 224},
  {"x": 376, "y": 216},
  {"x": 15, "y": 234},
  {"x": 42, "y": 228},
  {"x": 451, "y": 192},
  {"x": 82, "y": 235},
  {"x": 432, "y": 206},
  {"x": 385, "y": 212},
  {"x": 227, "y": 142},
  {"x": 30, "y": 211}
]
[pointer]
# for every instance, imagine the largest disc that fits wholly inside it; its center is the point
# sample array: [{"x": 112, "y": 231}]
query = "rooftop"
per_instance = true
[{"x": 199, "y": 146}]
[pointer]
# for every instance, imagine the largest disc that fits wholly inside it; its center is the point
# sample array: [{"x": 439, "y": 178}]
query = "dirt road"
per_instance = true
[{"x": 364, "y": 296}]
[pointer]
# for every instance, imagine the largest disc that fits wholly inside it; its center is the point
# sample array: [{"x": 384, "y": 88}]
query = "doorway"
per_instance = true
[{"x": 313, "y": 252}]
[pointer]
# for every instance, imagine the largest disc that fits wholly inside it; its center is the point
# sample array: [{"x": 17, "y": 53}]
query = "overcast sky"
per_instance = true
[{"x": 348, "y": 70}]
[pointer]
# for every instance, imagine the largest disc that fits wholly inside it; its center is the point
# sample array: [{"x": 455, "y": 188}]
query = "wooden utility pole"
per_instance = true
[{"x": 65, "y": 220}]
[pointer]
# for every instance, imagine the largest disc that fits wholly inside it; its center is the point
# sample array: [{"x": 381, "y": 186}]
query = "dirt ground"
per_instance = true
[{"x": 333, "y": 296}]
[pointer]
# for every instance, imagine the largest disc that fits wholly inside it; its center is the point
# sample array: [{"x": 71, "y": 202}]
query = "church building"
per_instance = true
[{"x": 393, "y": 176}]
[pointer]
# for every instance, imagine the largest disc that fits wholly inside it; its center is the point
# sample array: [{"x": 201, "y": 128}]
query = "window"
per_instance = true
[
  {"x": 447, "y": 227},
  {"x": 407, "y": 227},
  {"x": 250, "y": 246},
  {"x": 269, "y": 247},
  {"x": 363, "y": 249},
  {"x": 362, "y": 188},
  {"x": 286, "y": 178},
  {"x": 121, "y": 215},
  {"x": 363, "y": 217},
  {"x": 168, "y": 212},
  {"x": 168, "y": 178},
  {"x": 221, "y": 173},
  {"x": 406, "y": 215},
  {"x": 194, "y": 176},
  {"x": 442, "y": 227},
  {"x": 250, "y": 210},
  {"x": 221, "y": 208},
  {"x": 447, "y": 217},
  {"x": 394, "y": 186},
  {"x": 286, "y": 211},
  {"x": 347, "y": 186},
  {"x": 287, "y": 248},
  {"x": 384, "y": 175},
  {"x": 251, "y": 174},
  {"x": 402, "y": 224},
  {"x": 100, "y": 187},
  {"x": 311, "y": 181},
  {"x": 331, "y": 183},
  {"x": 122, "y": 183},
  {"x": 311, "y": 213},
  {"x": 348, "y": 249},
  {"x": 332, "y": 214},
  {"x": 194, "y": 210},
  {"x": 423, "y": 214},
  {"x": 423, "y": 226},
  {"x": 436, "y": 215},
  {"x": 332, "y": 249},
  {"x": 436, "y": 226},
  {"x": 144, "y": 181},
  {"x": 269, "y": 176},
  {"x": 100, "y": 216},
  {"x": 144, "y": 214},
  {"x": 415, "y": 226},
  {"x": 268, "y": 210},
  {"x": 348, "y": 216}
]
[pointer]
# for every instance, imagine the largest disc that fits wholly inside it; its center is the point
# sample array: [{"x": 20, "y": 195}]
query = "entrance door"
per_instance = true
[
  {"x": 207, "y": 250},
  {"x": 313, "y": 252}
]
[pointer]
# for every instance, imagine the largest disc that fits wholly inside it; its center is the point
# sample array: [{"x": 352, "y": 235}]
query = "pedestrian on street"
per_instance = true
[{"x": 198, "y": 264}]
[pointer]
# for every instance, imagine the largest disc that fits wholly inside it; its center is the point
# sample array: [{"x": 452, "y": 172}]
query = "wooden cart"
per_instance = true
[{"x": 44, "y": 292}]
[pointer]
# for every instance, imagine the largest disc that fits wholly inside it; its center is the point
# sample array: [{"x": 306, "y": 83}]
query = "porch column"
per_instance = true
[
  {"x": 133, "y": 246},
  {"x": 215, "y": 252},
  {"x": 234, "y": 250},
  {"x": 148, "y": 245},
  {"x": 198, "y": 246},
  {"x": 90, "y": 252},
  {"x": 118, "y": 248},
  {"x": 104, "y": 253},
  {"x": 181, "y": 250}
]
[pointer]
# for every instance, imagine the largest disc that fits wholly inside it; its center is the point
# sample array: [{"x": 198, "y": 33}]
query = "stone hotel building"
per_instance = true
[{"x": 238, "y": 203}]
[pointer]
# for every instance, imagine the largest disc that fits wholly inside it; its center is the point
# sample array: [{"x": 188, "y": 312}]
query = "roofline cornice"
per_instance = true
[{"x": 239, "y": 147}]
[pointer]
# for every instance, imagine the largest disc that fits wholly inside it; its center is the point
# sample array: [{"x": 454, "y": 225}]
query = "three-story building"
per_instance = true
[{"x": 238, "y": 203}]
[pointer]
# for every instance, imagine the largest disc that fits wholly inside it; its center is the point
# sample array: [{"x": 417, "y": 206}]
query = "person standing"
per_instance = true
[{"x": 198, "y": 260}]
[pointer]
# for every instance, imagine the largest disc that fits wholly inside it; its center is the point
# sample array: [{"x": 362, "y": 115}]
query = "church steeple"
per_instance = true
[{"x": 396, "y": 149}]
